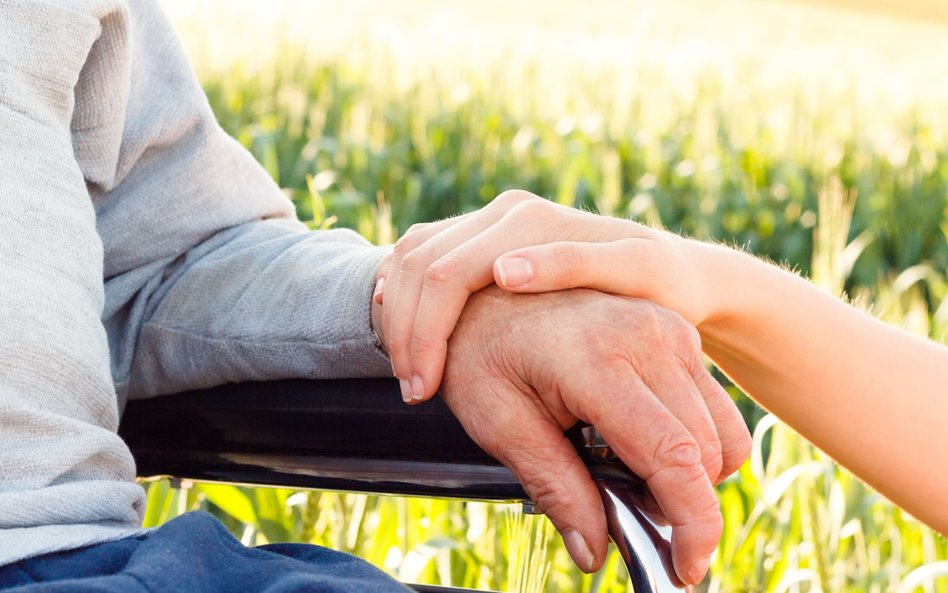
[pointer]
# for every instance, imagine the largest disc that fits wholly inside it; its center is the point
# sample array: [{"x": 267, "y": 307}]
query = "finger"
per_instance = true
[
  {"x": 732, "y": 431},
  {"x": 467, "y": 268},
  {"x": 412, "y": 272},
  {"x": 379, "y": 294},
  {"x": 656, "y": 446},
  {"x": 448, "y": 283},
  {"x": 555, "y": 478},
  {"x": 415, "y": 236},
  {"x": 733, "y": 438},
  {"x": 604, "y": 266},
  {"x": 676, "y": 389},
  {"x": 380, "y": 277},
  {"x": 649, "y": 506}
]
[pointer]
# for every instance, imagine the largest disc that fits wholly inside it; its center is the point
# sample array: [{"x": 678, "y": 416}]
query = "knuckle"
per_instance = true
[
  {"x": 678, "y": 331},
  {"x": 442, "y": 271},
  {"x": 532, "y": 209},
  {"x": 510, "y": 198},
  {"x": 571, "y": 261},
  {"x": 679, "y": 337},
  {"x": 418, "y": 226},
  {"x": 676, "y": 450},
  {"x": 549, "y": 492},
  {"x": 414, "y": 261},
  {"x": 691, "y": 336},
  {"x": 406, "y": 245},
  {"x": 646, "y": 324},
  {"x": 542, "y": 466}
]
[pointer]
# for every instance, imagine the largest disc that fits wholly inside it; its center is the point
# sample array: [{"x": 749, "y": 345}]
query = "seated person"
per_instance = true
[{"x": 143, "y": 252}]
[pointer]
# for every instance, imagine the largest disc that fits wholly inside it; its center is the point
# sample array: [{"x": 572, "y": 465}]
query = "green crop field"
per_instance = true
[{"x": 815, "y": 137}]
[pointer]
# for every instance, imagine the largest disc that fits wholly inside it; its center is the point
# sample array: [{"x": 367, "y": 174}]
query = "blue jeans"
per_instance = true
[{"x": 194, "y": 553}]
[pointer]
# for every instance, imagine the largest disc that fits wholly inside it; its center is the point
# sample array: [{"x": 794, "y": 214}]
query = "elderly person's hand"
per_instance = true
[
  {"x": 424, "y": 284},
  {"x": 522, "y": 368}
]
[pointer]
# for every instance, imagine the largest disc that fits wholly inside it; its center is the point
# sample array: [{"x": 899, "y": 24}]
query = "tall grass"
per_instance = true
[{"x": 816, "y": 139}]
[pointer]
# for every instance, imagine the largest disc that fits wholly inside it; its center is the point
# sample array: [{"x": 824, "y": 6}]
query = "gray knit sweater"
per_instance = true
[{"x": 142, "y": 252}]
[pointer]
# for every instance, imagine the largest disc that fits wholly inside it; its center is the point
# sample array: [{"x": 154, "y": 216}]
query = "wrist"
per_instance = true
[
  {"x": 729, "y": 285},
  {"x": 375, "y": 319},
  {"x": 687, "y": 279}
]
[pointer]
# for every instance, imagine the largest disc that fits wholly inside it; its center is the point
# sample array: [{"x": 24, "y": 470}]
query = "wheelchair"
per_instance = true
[{"x": 356, "y": 435}]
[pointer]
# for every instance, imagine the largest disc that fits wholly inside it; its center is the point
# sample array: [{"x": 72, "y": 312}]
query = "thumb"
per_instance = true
[{"x": 556, "y": 266}]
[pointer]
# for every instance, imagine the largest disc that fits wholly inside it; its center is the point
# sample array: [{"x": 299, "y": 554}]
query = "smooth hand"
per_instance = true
[{"x": 522, "y": 368}]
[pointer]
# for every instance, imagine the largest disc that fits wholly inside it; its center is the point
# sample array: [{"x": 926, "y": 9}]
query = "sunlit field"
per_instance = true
[{"x": 814, "y": 136}]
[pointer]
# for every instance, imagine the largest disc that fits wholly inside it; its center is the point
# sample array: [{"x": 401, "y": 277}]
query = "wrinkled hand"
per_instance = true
[
  {"x": 425, "y": 283},
  {"x": 522, "y": 368}
]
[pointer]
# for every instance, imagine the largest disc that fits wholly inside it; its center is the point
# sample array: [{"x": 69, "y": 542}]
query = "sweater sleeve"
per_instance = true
[
  {"x": 65, "y": 476},
  {"x": 209, "y": 276},
  {"x": 264, "y": 300}
]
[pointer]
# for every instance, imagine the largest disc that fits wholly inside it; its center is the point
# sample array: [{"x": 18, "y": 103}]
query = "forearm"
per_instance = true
[
  {"x": 266, "y": 300},
  {"x": 869, "y": 394}
]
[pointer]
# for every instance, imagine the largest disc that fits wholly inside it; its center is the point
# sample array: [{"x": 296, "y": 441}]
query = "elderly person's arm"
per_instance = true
[{"x": 209, "y": 276}]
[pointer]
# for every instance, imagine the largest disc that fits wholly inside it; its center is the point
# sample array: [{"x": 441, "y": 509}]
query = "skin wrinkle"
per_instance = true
[{"x": 528, "y": 390}]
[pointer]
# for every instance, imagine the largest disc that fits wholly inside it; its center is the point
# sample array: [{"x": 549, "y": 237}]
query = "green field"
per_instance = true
[{"x": 817, "y": 138}]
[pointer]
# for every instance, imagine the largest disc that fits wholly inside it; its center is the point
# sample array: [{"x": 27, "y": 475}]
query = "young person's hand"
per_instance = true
[
  {"x": 435, "y": 267},
  {"x": 522, "y": 368}
]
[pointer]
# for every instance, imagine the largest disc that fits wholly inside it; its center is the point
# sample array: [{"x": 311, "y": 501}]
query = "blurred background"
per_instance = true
[{"x": 814, "y": 133}]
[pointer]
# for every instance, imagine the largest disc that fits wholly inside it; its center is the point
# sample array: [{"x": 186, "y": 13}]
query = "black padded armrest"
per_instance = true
[
  {"x": 358, "y": 435},
  {"x": 354, "y": 435}
]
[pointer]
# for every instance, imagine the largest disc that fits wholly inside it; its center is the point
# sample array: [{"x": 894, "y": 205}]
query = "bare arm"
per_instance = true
[{"x": 871, "y": 395}]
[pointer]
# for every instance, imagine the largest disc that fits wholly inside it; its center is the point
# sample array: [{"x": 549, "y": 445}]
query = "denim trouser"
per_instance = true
[{"x": 194, "y": 553}]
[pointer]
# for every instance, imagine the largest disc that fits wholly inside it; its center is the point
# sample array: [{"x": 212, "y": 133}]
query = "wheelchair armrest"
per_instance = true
[
  {"x": 353, "y": 435},
  {"x": 357, "y": 435}
]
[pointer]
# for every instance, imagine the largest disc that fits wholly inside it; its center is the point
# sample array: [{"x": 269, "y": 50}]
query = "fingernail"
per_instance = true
[
  {"x": 698, "y": 570},
  {"x": 406, "y": 390},
  {"x": 514, "y": 271},
  {"x": 379, "y": 287},
  {"x": 578, "y": 549},
  {"x": 417, "y": 388}
]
